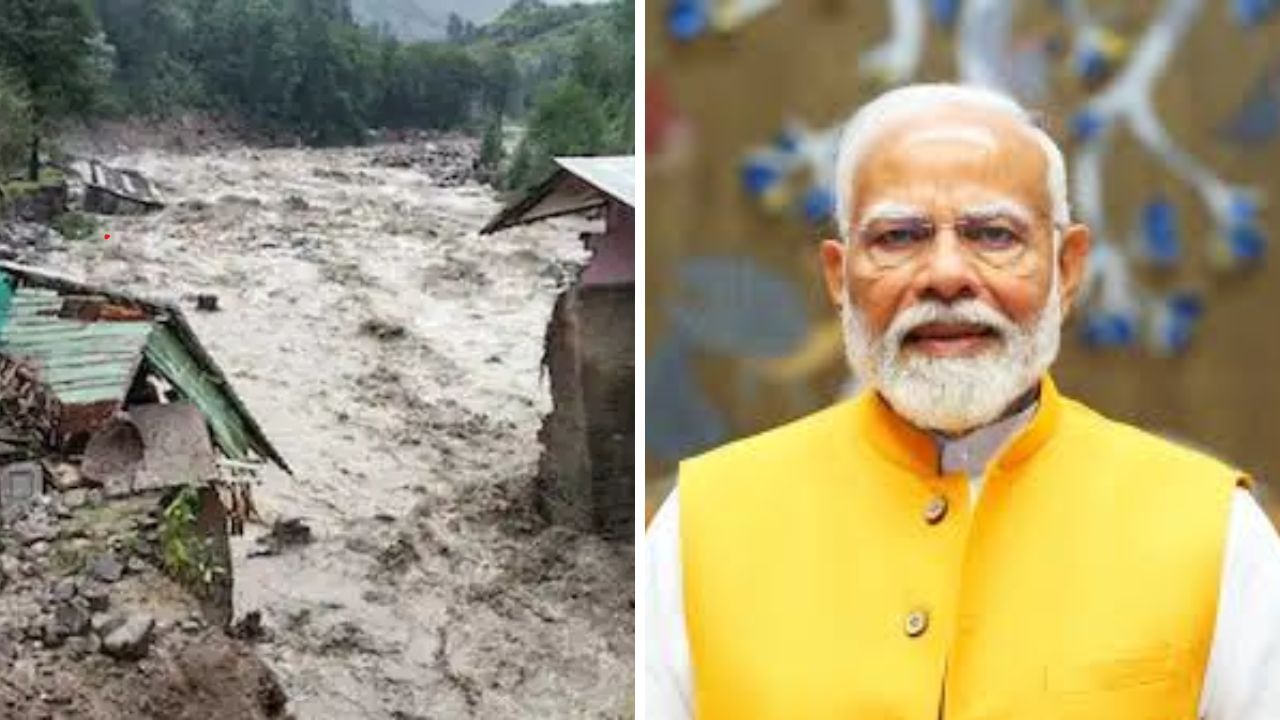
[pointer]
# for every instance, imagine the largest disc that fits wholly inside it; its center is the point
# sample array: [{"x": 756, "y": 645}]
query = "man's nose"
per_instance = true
[{"x": 947, "y": 272}]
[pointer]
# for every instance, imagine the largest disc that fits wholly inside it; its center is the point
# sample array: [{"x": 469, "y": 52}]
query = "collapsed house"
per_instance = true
[
  {"x": 587, "y": 468},
  {"x": 105, "y": 393},
  {"x": 114, "y": 191}
]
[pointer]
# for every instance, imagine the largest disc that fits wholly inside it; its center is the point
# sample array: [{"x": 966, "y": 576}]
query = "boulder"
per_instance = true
[{"x": 132, "y": 640}]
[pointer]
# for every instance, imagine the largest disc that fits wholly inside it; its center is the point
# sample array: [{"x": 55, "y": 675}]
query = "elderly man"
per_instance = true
[{"x": 959, "y": 541}]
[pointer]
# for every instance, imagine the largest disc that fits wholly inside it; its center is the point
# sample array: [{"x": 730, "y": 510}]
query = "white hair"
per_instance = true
[{"x": 877, "y": 116}]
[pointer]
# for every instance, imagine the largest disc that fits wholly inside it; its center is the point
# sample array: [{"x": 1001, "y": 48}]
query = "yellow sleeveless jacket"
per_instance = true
[{"x": 831, "y": 572}]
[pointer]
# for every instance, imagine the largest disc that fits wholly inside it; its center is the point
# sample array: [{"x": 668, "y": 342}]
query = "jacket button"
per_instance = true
[
  {"x": 935, "y": 510},
  {"x": 917, "y": 622}
]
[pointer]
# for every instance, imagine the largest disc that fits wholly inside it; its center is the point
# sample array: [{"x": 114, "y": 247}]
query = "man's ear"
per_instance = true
[
  {"x": 1073, "y": 260},
  {"x": 832, "y": 254}
]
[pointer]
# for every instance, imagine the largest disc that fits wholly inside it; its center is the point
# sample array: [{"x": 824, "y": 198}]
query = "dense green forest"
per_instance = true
[{"x": 306, "y": 69}]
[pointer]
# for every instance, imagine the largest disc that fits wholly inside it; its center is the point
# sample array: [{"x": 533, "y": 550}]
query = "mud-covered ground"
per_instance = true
[
  {"x": 393, "y": 356},
  {"x": 74, "y": 568}
]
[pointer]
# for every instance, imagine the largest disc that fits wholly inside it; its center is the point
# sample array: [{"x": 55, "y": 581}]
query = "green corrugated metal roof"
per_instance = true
[
  {"x": 173, "y": 360},
  {"x": 83, "y": 362},
  {"x": 88, "y": 362}
]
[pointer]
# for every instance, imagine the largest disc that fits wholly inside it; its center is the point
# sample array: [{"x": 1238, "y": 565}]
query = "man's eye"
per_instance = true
[
  {"x": 993, "y": 235},
  {"x": 898, "y": 237}
]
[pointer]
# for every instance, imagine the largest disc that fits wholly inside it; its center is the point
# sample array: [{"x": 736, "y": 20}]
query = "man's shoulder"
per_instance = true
[
  {"x": 1113, "y": 438},
  {"x": 777, "y": 446}
]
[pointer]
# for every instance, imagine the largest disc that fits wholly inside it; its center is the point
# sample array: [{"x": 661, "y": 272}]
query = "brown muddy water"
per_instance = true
[{"x": 393, "y": 357}]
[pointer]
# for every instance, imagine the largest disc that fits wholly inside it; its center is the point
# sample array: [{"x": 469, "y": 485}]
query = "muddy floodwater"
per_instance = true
[{"x": 394, "y": 358}]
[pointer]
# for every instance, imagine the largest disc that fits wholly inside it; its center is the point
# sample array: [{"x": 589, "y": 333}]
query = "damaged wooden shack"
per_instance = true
[
  {"x": 587, "y": 468},
  {"x": 111, "y": 395},
  {"x": 117, "y": 191}
]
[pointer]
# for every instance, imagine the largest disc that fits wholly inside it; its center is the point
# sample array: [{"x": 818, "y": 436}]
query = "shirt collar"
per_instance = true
[
  {"x": 969, "y": 454},
  {"x": 1005, "y": 443}
]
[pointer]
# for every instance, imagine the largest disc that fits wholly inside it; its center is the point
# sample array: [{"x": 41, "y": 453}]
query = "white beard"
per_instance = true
[{"x": 953, "y": 394}]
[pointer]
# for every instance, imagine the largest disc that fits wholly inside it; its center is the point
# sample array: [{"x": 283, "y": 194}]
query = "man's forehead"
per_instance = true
[{"x": 965, "y": 149}]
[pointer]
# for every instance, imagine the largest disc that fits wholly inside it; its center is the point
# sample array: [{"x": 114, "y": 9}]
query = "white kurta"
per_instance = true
[{"x": 1242, "y": 680}]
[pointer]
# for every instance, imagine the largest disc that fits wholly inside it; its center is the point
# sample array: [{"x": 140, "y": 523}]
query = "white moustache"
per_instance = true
[{"x": 970, "y": 312}]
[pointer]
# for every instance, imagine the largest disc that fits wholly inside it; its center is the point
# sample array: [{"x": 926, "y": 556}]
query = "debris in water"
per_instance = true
[
  {"x": 285, "y": 533},
  {"x": 207, "y": 302},
  {"x": 382, "y": 329}
]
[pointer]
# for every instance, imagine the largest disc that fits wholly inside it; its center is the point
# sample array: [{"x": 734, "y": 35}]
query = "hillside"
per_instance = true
[
  {"x": 428, "y": 19},
  {"x": 540, "y": 38}
]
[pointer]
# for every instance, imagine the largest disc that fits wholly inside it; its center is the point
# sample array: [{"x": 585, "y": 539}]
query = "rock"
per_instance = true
[
  {"x": 271, "y": 697},
  {"x": 8, "y": 650},
  {"x": 38, "y": 549},
  {"x": 248, "y": 627},
  {"x": 10, "y": 567},
  {"x": 64, "y": 590},
  {"x": 75, "y": 499},
  {"x": 58, "y": 696},
  {"x": 33, "y": 530},
  {"x": 79, "y": 647},
  {"x": 64, "y": 476},
  {"x": 96, "y": 597},
  {"x": 103, "y": 624},
  {"x": 40, "y": 205},
  {"x": 132, "y": 640},
  {"x": 29, "y": 236},
  {"x": 52, "y": 634},
  {"x": 106, "y": 568},
  {"x": 71, "y": 619},
  {"x": 189, "y": 627},
  {"x": 23, "y": 672}
]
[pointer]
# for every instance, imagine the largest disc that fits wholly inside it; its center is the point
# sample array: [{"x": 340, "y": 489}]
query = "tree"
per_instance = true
[
  {"x": 455, "y": 28},
  {"x": 590, "y": 112},
  {"x": 15, "y": 125},
  {"x": 500, "y": 77},
  {"x": 249, "y": 57},
  {"x": 491, "y": 145},
  {"x": 566, "y": 121},
  {"x": 153, "y": 42},
  {"x": 45, "y": 44},
  {"x": 338, "y": 85},
  {"x": 428, "y": 86}
]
